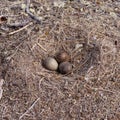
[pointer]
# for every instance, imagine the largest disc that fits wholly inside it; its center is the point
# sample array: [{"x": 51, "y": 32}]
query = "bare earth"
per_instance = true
[{"x": 31, "y": 30}]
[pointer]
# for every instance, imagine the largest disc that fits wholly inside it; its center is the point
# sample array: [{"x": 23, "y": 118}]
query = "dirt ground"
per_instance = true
[{"x": 31, "y": 30}]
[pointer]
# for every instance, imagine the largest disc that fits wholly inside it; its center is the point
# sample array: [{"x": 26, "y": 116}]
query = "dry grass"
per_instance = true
[{"x": 91, "y": 91}]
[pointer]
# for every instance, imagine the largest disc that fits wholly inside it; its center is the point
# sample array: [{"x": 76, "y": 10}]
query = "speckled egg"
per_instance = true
[{"x": 62, "y": 56}]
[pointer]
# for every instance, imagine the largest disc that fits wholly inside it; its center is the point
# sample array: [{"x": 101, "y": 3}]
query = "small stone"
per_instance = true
[{"x": 78, "y": 46}]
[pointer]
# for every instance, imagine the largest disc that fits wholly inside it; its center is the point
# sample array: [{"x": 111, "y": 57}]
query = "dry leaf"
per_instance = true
[{"x": 2, "y": 19}]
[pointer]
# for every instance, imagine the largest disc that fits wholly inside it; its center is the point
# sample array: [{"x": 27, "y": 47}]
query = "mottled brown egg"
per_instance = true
[
  {"x": 65, "y": 67},
  {"x": 62, "y": 57},
  {"x": 50, "y": 64}
]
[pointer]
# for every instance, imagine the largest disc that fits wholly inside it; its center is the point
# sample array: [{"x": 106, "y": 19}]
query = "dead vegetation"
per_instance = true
[{"x": 34, "y": 29}]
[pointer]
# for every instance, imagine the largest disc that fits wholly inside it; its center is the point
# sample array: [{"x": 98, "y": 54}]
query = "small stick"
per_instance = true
[
  {"x": 17, "y": 24},
  {"x": 41, "y": 47},
  {"x": 11, "y": 56},
  {"x": 29, "y": 109},
  {"x": 16, "y": 31},
  {"x": 1, "y": 90},
  {"x": 30, "y": 14},
  {"x": 102, "y": 89}
]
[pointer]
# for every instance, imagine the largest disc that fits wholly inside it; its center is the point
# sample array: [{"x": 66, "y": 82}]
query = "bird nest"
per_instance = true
[{"x": 31, "y": 31}]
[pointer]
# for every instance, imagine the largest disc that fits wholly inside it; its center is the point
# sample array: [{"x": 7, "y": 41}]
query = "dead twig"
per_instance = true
[
  {"x": 15, "y": 25},
  {"x": 29, "y": 109},
  {"x": 30, "y": 14},
  {"x": 41, "y": 47},
  {"x": 101, "y": 89},
  {"x": 16, "y": 31},
  {"x": 17, "y": 48},
  {"x": 1, "y": 90}
]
